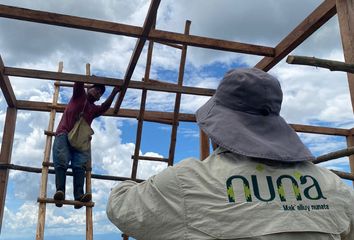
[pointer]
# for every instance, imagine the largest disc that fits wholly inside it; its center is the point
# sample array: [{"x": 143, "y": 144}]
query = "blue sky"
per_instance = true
[{"x": 311, "y": 95}]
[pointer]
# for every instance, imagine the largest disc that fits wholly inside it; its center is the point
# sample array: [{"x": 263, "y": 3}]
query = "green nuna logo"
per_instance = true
[{"x": 312, "y": 192}]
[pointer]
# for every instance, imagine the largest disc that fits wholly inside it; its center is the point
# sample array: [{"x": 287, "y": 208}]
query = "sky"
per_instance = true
[{"x": 311, "y": 95}]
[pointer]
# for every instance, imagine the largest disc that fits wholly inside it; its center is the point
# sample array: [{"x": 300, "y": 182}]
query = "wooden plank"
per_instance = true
[
  {"x": 66, "y": 202},
  {"x": 68, "y": 173},
  {"x": 5, "y": 155},
  {"x": 132, "y": 31},
  {"x": 170, "y": 44},
  {"x": 309, "y": 25},
  {"x": 148, "y": 24},
  {"x": 148, "y": 85},
  {"x": 204, "y": 145},
  {"x": 44, "y": 176},
  {"x": 345, "y": 11},
  {"x": 320, "y": 130},
  {"x": 323, "y": 63},
  {"x": 171, "y": 153},
  {"x": 156, "y": 159},
  {"x": 156, "y": 116},
  {"x": 6, "y": 87},
  {"x": 152, "y": 116}
]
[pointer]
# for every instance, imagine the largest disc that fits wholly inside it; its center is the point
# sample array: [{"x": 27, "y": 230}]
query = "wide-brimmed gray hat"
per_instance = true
[{"x": 243, "y": 117}]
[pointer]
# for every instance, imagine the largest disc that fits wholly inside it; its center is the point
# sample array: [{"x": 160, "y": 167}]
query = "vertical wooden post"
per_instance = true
[
  {"x": 89, "y": 224},
  {"x": 204, "y": 145},
  {"x": 5, "y": 156},
  {"x": 350, "y": 143},
  {"x": 345, "y": 13},
  {"x": 182, "y": 64},
  {"x": 142, "y": 110},
  {"x": 45, "y": 168}
]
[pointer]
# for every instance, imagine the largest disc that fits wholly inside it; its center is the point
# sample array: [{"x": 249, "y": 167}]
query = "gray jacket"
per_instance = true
[{"x": 229, "y": 196}]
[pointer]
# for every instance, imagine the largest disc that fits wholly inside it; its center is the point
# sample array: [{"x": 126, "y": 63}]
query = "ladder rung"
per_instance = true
[
  {"x": 50, "y": 164},
  {"x": 151, "y": 158},
  {"x": 49, "y": 133},
  {"x": 66, "y": 202}
]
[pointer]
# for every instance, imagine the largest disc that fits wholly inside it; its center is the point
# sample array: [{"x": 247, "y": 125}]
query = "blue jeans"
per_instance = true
[{"x": 63, "y": 153}]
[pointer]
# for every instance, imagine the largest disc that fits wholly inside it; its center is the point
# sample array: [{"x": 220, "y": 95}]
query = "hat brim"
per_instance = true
[{"x": 252, "y": 135}]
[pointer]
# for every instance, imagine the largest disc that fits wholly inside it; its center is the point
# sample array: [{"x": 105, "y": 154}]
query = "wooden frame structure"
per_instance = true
[{"x": 272, "y": 55}]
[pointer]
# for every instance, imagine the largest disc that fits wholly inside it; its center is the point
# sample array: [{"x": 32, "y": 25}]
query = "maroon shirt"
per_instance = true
[{"x": 75, "y": 107}]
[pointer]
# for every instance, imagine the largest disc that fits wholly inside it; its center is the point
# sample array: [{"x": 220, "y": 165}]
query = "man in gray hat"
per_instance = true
[{"x": 258, "y": 184}]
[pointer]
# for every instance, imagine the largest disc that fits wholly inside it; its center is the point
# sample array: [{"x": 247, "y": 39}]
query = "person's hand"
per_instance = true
[{"x": 116, "y": 89}]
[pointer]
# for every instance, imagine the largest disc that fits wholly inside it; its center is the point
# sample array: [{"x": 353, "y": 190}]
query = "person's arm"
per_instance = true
[
  {"x": 78, "y": 90},
  {"x": 148, "y": 209},
  {"x": 106, "y": 104}
]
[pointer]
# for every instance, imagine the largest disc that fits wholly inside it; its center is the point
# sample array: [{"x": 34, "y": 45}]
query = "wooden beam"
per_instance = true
[
  {"x": 204, "y": 145},
  {"x": 156, "y": 116},
  {"x": 131, "y": 31},
  {"x": 320, "y": 130},
  {"x": 345, "y": 11},
  {"x": 323, "y": 63},
  {"x": 175, "y": 122},
  {"x": 155, "y": 159},
  {"x": 139, "y": 129},
  {"x": 5, "y": 156},
  {"x": 309, "y": 25},
  {"x": 148, "y": 24},
  {"x": 334, "y": 155},
  {"x": 68, "y": 173},
  {"x": 152, "y": 116},
  {"x": 344, "y": 175},
  {"x": 6, "y": 87},
  {"x": 153, "y": 85}
]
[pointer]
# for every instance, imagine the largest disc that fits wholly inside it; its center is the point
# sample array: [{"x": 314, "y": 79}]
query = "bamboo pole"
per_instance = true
[
  {"x": 89, "y": 223},
  {"x": 182, "y": 64},
  {"x": 323, "y": 63},
  {"x": 47, "y": 151},
  {"x": 5, "y": 156}
]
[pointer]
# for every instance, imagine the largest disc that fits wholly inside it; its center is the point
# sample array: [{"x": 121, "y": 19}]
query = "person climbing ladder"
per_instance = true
[{"x": 80, "y": 105}]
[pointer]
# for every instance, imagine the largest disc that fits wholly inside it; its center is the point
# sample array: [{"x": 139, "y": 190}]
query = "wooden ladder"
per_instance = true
[
  {"x": 43, "y": 199},
  {"x": 174, "y": 122}
]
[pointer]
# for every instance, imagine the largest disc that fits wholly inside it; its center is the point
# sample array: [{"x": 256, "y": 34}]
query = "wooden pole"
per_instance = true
[
  {"x": 70, "y": 77},
  {"x": 139, "y": 129},
  {"x": 6, "y": 87},
  {"x": 204, "y": 145},
  {"x": 5, "y": 156},
  {"x": 148, "y": 24},
  {"x": 47, "y": 151},
  {"x": 345, "y": 13},
  {"x": 131, "y": 31},
  {"x": 175, "y": 123},
  {"x": 334, "y": 155},
  {"x": 68, "y": 173},
  {"x": 89, "y": 223},
  {"x": 323, "y": 63},
  {"x": 306, "y": 28}
]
